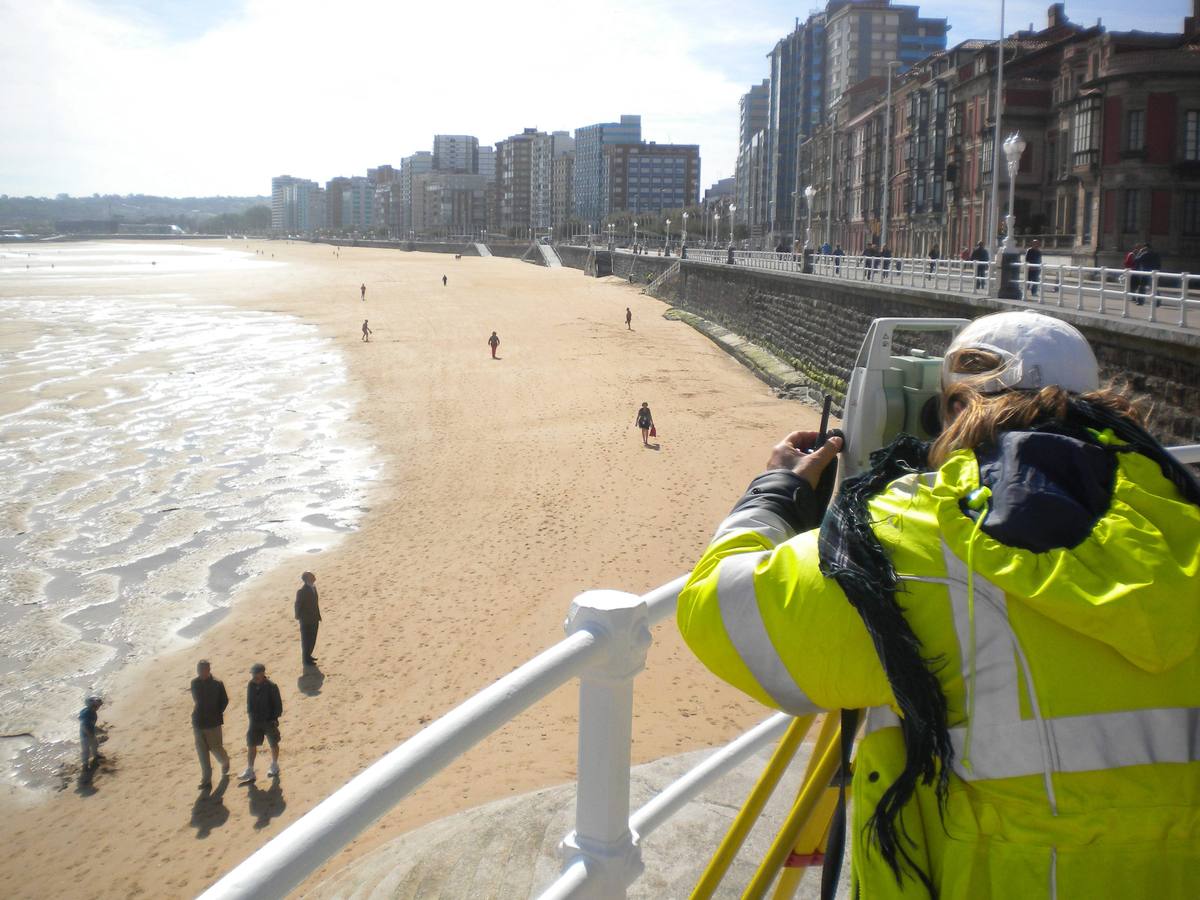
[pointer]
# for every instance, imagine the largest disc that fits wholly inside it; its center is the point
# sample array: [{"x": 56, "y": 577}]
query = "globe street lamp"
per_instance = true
[
  {"x": 1010, "y": 258},
  {"x": 683, "y": 240},
  {"x": 809, "y": 193},
  {"x": 732, "y": 210},
  {"x": 716, "y": 228},
  {"x": 667, "y": 239},
  {"x": 635, "y": 235}
]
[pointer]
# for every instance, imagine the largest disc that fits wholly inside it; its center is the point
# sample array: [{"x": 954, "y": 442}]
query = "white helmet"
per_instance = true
[{"x": 1036, "y": 350}]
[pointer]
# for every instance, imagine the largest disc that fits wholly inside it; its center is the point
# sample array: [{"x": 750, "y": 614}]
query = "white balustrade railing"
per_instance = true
[
  {"x": 608, "y": 635},
  {"x": 1169, "y": 298}
]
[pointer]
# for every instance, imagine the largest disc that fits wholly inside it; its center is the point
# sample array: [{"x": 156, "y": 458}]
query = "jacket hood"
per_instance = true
[{"x": 1093, "y": 537}]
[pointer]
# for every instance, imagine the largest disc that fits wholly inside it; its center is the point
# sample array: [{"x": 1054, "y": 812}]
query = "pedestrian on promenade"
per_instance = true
[
  {"x": 1033, "y": 267},
  {"x": 628, "y": 318},
  {"x": 89, "y": 746},
  {"x": 981, "y": 257},
  {"x": 838, "y": 253},
  {"x": 366, "y": 332},
  {"x": 444, "y": 280},
  {"x": 363, "y": 290},
  {"x": 964, "y": 254},
  {"x": 645, "y": 421},
  {"x": 826, "y": 249},
  {"x": 264, "y": 706},
  {"x": 870, "y": 260},
  {"x": 992, "y": 600},
  {"x": 1146, "y": 260},
  {"x": 208, "y": 715},
  {"x": 494, "y": 343},
  {"x": 933, "y": 260},
  {"x": 885, "y": 256},
  {"x": 308, "y": 614}
]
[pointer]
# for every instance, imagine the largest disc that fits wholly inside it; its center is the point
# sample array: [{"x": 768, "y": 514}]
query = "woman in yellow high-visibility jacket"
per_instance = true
[{"x": 1018, "y": 607}]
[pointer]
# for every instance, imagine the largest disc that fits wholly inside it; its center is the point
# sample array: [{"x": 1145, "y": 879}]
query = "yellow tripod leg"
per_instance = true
[
  {"x": 803, "y": 819},
  {"x": 752, "y": 808},
  {"x": 812, "y": 840}
]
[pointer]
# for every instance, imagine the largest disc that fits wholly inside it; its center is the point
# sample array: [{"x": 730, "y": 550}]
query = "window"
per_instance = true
[
  {"x": 1084, "y": 127},
  {"x": 1135, "y": 130},
  {"x": 1129, "y": 221},
  {"x": 985, "y": 157},
  {"x": 1191, "y": 135},
  {"x": 1191, "y": 212},
  {"x": 1087, "y": 217}
]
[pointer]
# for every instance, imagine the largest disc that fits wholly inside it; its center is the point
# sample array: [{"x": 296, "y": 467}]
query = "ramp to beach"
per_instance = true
[
  {"x": 550, "y": 256},
  {"x": 482, "y": 250}
]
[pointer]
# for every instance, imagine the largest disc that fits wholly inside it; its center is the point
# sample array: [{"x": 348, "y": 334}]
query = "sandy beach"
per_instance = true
[{"x": 504, "y": 488}]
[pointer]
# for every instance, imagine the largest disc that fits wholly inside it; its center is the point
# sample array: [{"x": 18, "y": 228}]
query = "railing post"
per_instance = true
[
  {"x": 1154, "y": 296},
  {"x": 1183, "y": 298},
  {"x": 601, "y": 837}
]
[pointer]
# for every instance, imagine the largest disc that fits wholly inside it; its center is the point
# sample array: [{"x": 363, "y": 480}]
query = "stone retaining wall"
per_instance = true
[{"x": 817, "y": 325}]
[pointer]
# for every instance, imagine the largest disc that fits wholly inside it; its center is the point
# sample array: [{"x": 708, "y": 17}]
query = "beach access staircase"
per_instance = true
[
  {"x": 672, "y": 271},
  {"x": 608, "y": 638},
  {"x": 482, "y": 250},
  {"x": 550, "y": 256}
]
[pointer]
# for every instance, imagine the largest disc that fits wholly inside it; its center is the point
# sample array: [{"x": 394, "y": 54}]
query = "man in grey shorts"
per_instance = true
[
  {"x": 208, "y": 715},
  {"x": 264, "y": 707}
]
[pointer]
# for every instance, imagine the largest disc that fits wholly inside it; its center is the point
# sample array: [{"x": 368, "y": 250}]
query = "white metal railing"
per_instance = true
[
  {"x": 1169, "y": 298},
  {"x": 608, "y": 634}
]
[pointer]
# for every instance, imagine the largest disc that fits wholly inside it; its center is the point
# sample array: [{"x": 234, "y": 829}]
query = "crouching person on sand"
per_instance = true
[
  {"x": 264, "y": 706},
  {"x": 89, "y": 746}
]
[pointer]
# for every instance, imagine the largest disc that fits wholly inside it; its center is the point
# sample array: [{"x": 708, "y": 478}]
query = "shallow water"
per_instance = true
[{"x": 155, "y": 452}]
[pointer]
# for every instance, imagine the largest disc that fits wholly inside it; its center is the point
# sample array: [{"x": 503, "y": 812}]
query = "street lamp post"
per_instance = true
[
  {"x": 732, "y": 210},
  {"x": 667, "y": 240},
  {"x": 683, "y": 240},
  {"x": 809, "y": 193},
  {"x": 1010, "y": 257},
  {"x": 716, "y": 229},
  {"x": 887, "y": 158},
  {"x": 635, "y": 235}
]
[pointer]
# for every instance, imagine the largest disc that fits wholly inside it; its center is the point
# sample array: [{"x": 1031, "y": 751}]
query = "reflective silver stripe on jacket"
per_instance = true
[
  {"x": 744, "y": 625},
  {"x": 756, "y": 519},
  {"x": 1003, "y": 745}
]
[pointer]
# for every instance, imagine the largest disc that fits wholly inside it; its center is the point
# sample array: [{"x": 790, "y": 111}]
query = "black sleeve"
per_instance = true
[
  {"x": 278, "y": 701},
  {"x": 790, "y": 497},
  {"x": 223, "y": 700},
  {"x": 249, "y": 710}
]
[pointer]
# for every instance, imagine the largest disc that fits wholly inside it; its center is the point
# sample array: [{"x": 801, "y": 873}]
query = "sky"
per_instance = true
[{"x": 214, "y": 97}]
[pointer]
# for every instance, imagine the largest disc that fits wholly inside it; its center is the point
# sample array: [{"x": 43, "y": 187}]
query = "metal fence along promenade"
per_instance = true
[
  {"x": 1169, "y": 299},
  {"x": 608, "y": 636}
]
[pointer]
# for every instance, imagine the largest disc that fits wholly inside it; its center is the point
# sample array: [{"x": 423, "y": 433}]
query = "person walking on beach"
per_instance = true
[
  {"x": 494, "y": 343},
  {"x": 366, "y": 332},
  {"x": 89, "y": 746},
  {"x": 208, "y": 715},
  {"x": 645, "y": 421},
  {"x": 444, "y": 280},
  {"x": 363, "y": 290},
  {"x": 308, "y": 614},
  {"x": 264, "y": 706},
  {"x": 629, "y": 318}
]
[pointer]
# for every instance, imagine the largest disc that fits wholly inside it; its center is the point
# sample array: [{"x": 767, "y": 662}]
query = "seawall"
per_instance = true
[{"x": 817, "y": 325}]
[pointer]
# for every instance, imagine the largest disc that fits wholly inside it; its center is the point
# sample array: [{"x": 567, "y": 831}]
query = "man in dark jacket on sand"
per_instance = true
[
  {"x": 264, "y": 706},
  {"x": 208, "y": 715},
  {"x": 308, "y": 614}
]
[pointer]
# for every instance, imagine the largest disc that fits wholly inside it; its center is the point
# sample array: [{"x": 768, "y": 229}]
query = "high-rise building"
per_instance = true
[
  {"x": 590, "y": 191},
  {"x": 487, "y": 162},
  {"x": 411, "y": 166},
  {"x": 562, "y": 204},
  {"x": 650, "y": 177},
  {"x": 334, "y": 188},
  {"x": 449, "y": 203},
  {"x": 863, "y": 37},
  {"x": 514, "y": 158},
  {"x": 358, "y": 204},
  {"x": 382, "y": 174},
  {"x": 457, "y": 153},
  {"x": 546, "y": 148},
  {"x": 754, "y": 113},
  {"x": 833, "y": 49},
  {"x": 292, "y": 202}
]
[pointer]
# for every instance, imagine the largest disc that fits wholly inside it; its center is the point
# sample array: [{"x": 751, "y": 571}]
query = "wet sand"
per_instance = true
[{"x": 506, "y": 487}]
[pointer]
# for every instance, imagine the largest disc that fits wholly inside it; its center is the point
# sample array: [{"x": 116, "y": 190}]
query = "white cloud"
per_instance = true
[{"x": 97, "y": 98}]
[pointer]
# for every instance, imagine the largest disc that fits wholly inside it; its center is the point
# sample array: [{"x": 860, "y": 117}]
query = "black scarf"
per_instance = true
[{"x": 850, "y": 552}]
